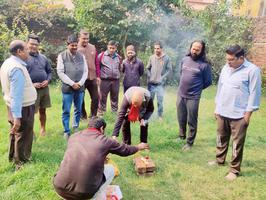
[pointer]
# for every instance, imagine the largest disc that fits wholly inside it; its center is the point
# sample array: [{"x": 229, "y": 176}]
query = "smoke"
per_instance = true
[{"x": 176, "y": 33}]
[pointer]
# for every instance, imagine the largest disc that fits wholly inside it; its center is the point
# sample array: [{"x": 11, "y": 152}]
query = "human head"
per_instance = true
[
  {"x": 33, "y": 44},
  {"x": 18, "y": 48},
  {"x": 137, "y": 98},
  {"x": 197, "y": 50},
  {"x": 98, "y": 123},
  {"x": 131, "y": 53},
  {"x": 84, "y": 37},
  {"x": 158, "y": 48},
  {"x": 235, "y": 56},
  {"x": 112, "y": 47},
  {"x": 72, "y": 43}
]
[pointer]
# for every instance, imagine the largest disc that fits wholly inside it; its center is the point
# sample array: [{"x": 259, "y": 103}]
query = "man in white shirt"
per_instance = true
[
  {"x": 73, "y": 71},
  {"x": 238, "y": 95}
]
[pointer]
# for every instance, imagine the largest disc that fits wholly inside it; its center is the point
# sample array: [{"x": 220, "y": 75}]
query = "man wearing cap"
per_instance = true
[
  {"x": 110, "y": 74},
  {"x": 40, "y": 72},
  {"x": 93, "y": 80},
  {"x": 82, "y": 173},
  {"x": 73, "y": 71},
  {"x": 137, "y": 105},
  {"x": 133, "y": 68},
  {"x": 20, "y": 96}
]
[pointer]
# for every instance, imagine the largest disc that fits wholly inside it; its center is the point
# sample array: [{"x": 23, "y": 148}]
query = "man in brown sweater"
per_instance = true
[
  {"x": 93, "y": 80},
  {"x": 82, "y": 173}
]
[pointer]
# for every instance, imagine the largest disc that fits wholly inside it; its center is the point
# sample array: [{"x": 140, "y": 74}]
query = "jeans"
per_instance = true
[
  {"x": 157, "y": 89},
  {"x": 77, "y": 97}
]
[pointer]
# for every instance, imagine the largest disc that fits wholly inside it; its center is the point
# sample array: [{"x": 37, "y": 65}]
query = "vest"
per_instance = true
[
  {"x": 110, "y": 67},
  {"x": 29, "y": 93},
  {"x": 90, "y": 53},
  {"x": 74, "y": 68}
]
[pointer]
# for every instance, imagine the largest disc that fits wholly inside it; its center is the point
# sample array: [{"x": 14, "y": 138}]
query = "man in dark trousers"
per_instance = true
[
  {"x": 132, "y": 67},
  {"x": 82, "y": 173},
  {"x": 20, "y": 96},
  {"x": 195, "y": 76},
  {"x": 137, "y": 105},
  {"x": 41, "y": 75},
  {"x": 238, "y": 96},
  {"x": 93, "y": 80},
  {"x": 110, "y": 74}
]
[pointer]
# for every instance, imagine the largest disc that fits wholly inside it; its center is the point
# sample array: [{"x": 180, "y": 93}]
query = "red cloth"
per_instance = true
[{"x": 133, "y": 114}]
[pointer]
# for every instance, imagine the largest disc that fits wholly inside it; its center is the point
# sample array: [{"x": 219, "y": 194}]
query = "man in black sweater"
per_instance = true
[
  {"x": 82, "y": 173},
  {"x": 195, "y": 76}
]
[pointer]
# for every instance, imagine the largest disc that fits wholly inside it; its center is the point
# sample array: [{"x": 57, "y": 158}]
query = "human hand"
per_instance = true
[
  {"x": 247, "y": 116},
  {"x": 142, "y": 122},
  {"x": 16, "y": 125},
  {"x": 76, "y": 86},
  {"x": 98, "y": 81},
  {"x": 114, "y": 138},
  {"x": 37, "y": 85},
  {"x": 143, "y": 146},
  {"x": 44, "y": 83}
]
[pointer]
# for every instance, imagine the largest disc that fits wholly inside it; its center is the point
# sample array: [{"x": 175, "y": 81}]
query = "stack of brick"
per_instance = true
[{"x": 144, "y": 166}]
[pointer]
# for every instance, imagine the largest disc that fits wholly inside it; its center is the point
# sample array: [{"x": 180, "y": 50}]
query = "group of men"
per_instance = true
[{"x": 25, "y": 76}]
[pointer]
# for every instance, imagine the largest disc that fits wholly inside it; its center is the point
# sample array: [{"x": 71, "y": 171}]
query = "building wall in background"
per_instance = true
[
  {"x": 199, "y": 4},
  {"x": 253, "y": 8}
]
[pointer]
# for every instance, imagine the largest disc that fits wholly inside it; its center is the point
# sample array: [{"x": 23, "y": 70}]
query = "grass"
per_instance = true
[{"x": 179, "y": 175}]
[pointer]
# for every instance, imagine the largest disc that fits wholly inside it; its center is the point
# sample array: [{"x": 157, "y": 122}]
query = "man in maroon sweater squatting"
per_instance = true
[{"x": 82, "y": 173}]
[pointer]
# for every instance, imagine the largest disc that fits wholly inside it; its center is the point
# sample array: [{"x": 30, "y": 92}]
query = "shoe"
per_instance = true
[
  {"x": 18, "y": 166},
  {"x": 231, "y": 176},
  {"x": 160, "y": 119},
  {"x": 75, "y": 129},
  {"x": 214, "y": 163},
  {"x": 42, "y": 133},
  {"x": 83, "y": 119},
  {"x": 66, "y": 136},
  {"x": 187, "y": 147},
  {"x": 100, "y": 113},
  {"x": 180, "y": 139}
]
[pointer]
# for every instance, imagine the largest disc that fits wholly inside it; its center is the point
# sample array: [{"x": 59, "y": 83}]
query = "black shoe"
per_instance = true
[{"x": 180, "y": 138}]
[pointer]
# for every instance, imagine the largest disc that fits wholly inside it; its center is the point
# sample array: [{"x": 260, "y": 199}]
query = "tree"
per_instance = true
[
  {"x": 223, "y": 29},
  {"x": 129, "y": 21}
]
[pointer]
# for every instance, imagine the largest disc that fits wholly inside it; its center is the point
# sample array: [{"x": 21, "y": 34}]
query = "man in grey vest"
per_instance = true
[
  {"x": 110, "y": 73},
  {"x": 73, "y": 71},
  {"x": 20, "y": 96}
]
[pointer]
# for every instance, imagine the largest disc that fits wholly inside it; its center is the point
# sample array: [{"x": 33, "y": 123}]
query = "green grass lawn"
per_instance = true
[{"x": 179, "y": 175}]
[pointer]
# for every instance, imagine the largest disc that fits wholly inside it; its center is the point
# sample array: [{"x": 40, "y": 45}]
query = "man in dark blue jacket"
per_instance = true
[{"x": 195, "y": 76}]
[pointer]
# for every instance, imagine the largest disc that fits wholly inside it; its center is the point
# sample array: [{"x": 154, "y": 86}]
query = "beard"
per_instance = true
[{"x": 195, "y": 57}]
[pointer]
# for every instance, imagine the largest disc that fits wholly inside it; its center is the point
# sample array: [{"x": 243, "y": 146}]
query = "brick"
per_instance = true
[{"x": 144, "y": 165}]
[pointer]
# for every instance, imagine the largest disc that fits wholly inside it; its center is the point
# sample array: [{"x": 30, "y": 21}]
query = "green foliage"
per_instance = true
[
  {"x": 222, "y": 30},
  {"x": 40, "y": 11},
  {"x": 8, "y": 34},
  {"x": 124, "y": 21}
]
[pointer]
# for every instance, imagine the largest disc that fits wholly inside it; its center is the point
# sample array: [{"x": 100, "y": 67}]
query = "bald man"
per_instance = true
[
  {"x": 137, "y": 105},
  {"x": 20, "y": 96}
]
